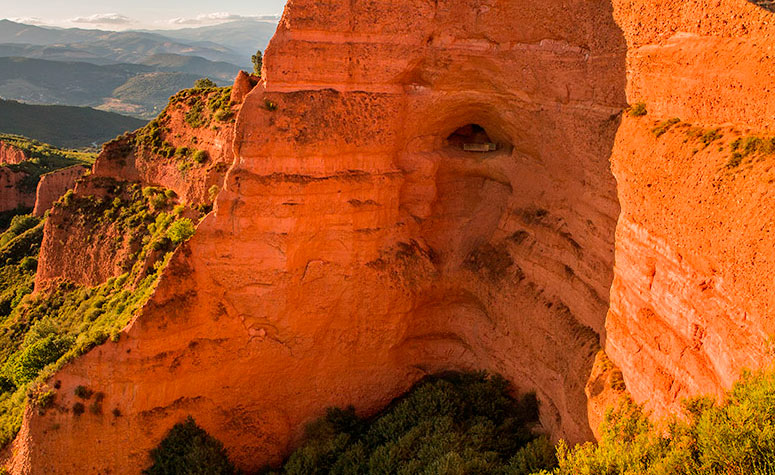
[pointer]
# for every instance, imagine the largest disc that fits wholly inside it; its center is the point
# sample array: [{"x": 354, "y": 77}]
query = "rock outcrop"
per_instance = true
[
  {"x": 10, "y": 155},
  {"x": 189, "y": 161},
  {"x": 15, "y": 190},
  {"x": 691, "y": 298},
  {"x": 14, "y": 186},
  {"x": 53, "y": 185},
  {"x": 358, "y": 244}
]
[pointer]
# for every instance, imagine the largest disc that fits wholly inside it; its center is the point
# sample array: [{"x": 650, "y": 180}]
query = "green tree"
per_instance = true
[
  {"x": 258, "y": 62},
  {"x": 188, "y": 449},
  {"x": 204, "y": 83}
]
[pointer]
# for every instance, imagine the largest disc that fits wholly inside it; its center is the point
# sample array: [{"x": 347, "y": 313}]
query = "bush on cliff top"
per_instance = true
[
  {"x": 188, "y": 449},
  {"x": 736, "y": 436}
]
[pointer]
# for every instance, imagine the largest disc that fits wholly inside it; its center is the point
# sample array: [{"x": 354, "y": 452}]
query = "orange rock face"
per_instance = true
[
  {"x": 692, "y": 292},
  {"x": 14, "y": 191},
  {"x": 10, "y": 155},
  {"x": 357, "y": 246},
  {"x": 53, "y": 185}
]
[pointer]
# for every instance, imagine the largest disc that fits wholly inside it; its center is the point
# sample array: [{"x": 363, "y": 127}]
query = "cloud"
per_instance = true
[
  {"x": 218, "y": 17},
  {"x": 103, "y": 19},
  {"x": 29, "y": 20}
]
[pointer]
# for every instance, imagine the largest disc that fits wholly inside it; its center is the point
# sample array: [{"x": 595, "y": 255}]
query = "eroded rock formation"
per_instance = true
[
  {"x": 691, "y": 294},
  {"x": 10, "y": 155},
  {"x": 357, "y": 245},
  {"x": 15, "y": 190},
  {"x": 53, "y": 185}
]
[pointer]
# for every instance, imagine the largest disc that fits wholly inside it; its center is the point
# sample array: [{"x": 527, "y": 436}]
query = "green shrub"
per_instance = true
[
  {"x": 204, "y": 83},
  {"x": 736, "y": 436},
  {"x": 82, "y": 392},
  {"x": 181, "y": 230},
  {"x": 223, "y": 115},
  {"x": 19, "y": 224},
  {"x": 200, "y": 156},
  {"x": 454, "y": 423},
  {"x": 637, "y": 110},
  {"x": 212, "y": 192},
  {"x": 29, "y": 264},
  {"x": 195, "y": 115},
  {"x": 188, "y": 449},
  {"x": 23, "y": 366}
]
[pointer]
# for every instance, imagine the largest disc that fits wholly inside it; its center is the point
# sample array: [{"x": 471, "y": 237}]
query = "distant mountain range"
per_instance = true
[
  {"x": 130, "y": 72},
  {"x": 64, "y": 126}
]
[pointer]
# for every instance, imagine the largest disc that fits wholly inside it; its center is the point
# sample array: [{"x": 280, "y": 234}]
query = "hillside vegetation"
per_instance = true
[
  {"x": 453, "y": 423},
  {"x": 64, "y": 126},
  {"x": 42, "y": 158},
  {"x": 39, "y": 333}
]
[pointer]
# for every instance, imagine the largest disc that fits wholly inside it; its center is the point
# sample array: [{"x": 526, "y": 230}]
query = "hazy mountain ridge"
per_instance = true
[
  {"x": 134, "y": 89},
  {"x": 128, "y": 72},
  {"x": 64, "y": 126}
]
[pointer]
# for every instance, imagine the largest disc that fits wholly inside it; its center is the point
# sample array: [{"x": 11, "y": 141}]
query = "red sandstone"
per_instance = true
[{"x": 355, "y": 249}]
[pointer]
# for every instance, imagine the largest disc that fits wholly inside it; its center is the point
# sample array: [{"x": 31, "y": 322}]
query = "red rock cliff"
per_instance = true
[
  {"x": 692, "y": 294},
  {"x": 357, "y": 247},
  {"x": 53, "y": 185},
  {"x": 10, "y": 154},
  {"x": 14, "y": 190}
]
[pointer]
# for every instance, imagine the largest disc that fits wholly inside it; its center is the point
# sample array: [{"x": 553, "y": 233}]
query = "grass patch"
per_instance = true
[
  {"x": 637, "y": 110},
  {"x": 664, "y": 126},
  {"x": 751, "y": 146}
]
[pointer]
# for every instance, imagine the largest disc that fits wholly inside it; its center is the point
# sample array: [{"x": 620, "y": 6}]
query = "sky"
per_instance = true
[{"x": 133, "y": 14}]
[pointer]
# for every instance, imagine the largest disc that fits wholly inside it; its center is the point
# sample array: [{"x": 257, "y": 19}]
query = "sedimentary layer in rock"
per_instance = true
[{"x": 692, "y": 295}]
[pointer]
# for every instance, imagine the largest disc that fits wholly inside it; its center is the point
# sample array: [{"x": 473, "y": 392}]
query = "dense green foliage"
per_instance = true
[
  {"x": 204, "y": 83},
  {"x": 187, "y": 450},
  {"x": 734, "y": 437},
  {"x": 63, "y": 126},
  {"x": 43, "y": 158},
  {"x": 454, "y": 423}
]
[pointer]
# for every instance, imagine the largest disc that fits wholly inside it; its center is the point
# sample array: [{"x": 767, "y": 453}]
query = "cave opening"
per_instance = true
[{"x": 471, "y": 138}]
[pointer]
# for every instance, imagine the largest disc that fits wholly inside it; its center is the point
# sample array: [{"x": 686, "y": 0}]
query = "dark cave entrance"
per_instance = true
[{"x": 471, "y": 138}]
